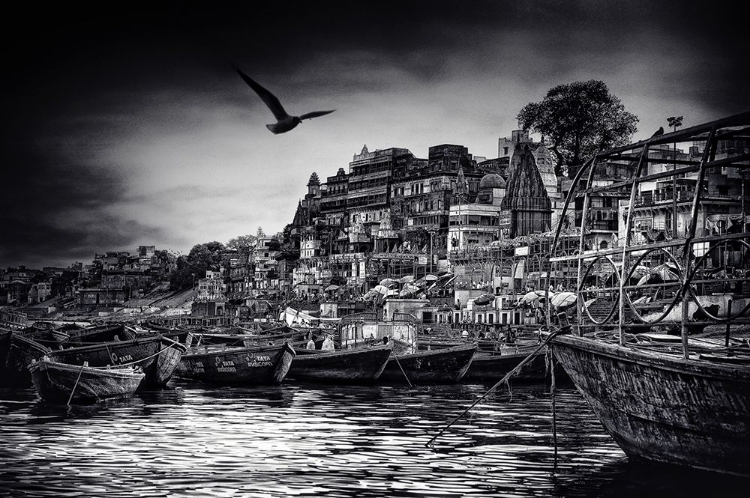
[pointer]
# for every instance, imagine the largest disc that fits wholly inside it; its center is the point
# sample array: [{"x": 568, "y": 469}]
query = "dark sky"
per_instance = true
[{"x": 126, "y": 125}]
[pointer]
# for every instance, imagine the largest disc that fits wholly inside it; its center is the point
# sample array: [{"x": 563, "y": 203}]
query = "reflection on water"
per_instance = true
[{"x": 311, "y": 440}]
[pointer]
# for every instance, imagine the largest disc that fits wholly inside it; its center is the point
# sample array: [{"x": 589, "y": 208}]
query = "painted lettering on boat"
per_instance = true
[
  {"x": 225, "y": 365},
  {"x": 120, "y": 359},
  {"x": 259, "y": 361}
]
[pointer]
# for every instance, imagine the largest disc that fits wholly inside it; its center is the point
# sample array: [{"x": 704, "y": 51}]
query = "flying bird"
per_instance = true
[
  {"x": 658, "y": 132},
  {"x": 285, "y": 122}
]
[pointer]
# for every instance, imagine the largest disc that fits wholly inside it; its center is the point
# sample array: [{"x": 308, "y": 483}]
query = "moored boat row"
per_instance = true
[{"x": 225, "y": 357}]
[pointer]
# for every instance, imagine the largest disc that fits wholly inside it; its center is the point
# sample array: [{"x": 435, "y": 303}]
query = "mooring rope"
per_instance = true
[
  {"x": 553, "y": 390},
  {"x": 402, "y": 370},
  {"x": 498, "y": 384},
  {"x": 76, "y": 384}
]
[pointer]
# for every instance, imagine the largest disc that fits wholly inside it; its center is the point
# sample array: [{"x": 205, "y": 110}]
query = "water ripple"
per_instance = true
[{"x": 307, "y": 440}]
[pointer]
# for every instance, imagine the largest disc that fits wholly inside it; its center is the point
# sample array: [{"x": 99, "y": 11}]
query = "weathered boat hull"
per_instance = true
[
  {"x": 444, "y": 366},
  {"x": 4, "y": 347},
  {"x": 100, "y": 333},
  {"x": 254, "y": 366},
  {"x": 664, "y": 408},
  {"x": 157, "y": 355},
  {"x": 343, "y": 366},
  {"x": 22, "y": 351},
  {"x": 56, "y": 381},
  {"x": 494, "y": 366}
]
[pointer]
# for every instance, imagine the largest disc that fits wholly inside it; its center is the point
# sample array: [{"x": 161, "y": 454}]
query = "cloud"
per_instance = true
[{"x": 134, "y": 129}]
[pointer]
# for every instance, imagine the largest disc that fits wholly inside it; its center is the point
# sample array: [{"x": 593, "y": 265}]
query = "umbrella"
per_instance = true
[
  {"x": 534, "y": 296},
  {"x": 332, "y": 288},
  {"x": 388, "y": 282},
  {"x": 484, "y": 299},
  {"x": 563, "y": 299},
  {"x": 371, "y": 294},
  {"x": 409, "y": 289},
  {"x": 382, "y": 289},
  {"x": 430, "y": 278},
  {"x": 407, "y": 279}
]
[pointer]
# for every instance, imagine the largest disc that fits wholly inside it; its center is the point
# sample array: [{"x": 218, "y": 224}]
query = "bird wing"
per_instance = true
[
  {"x": 315, "y": 114},
  {"x": 270, "y": 99}
]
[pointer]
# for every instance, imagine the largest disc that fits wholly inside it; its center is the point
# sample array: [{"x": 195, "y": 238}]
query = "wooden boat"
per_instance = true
[
  {"x": 45, "y": 333},
  {"x": 22, "y": 351},
  {"x": 4, "y": 347},
  {"x": 63, "y": 383},
  {"x": 98, "y": 333},
  {"x": 662, "y": 407},
  {"x": 664, "y": 400},
  {"x": 442, "y": 366},
  {"x": 158, "y": 356},
  {"x": 266, "y": 365},
  {"x": 492, "y": 366},
  {"x": 360, "y": 365}
]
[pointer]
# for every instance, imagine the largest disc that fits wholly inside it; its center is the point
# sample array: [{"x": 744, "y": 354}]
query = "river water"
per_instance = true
[{"x": 311, "y": 440}]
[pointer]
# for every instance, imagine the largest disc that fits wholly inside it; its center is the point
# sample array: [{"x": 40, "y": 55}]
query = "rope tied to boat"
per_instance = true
[
  {"x": 73, "y": 391},
  {"x": 498, "y": 384}
]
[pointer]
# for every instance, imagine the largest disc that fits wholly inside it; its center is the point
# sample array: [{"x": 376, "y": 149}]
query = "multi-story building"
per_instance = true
[
  {"x": 479, "y": 223},
  {"x": 265, "y": 264},
  {"x": 663, "y": 207}
]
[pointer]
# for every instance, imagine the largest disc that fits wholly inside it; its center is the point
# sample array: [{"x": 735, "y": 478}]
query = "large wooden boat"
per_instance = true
[
  {"x": 158, "y": 356},
  {"x": 663, "y": 407},
  {"x": 669, "y": 381},
  {"x": 62, "y": 383},
  {"x": 441, "y": 366},
  {"x": 267, "y": 365},
  {"x": 360, "y": 365}
]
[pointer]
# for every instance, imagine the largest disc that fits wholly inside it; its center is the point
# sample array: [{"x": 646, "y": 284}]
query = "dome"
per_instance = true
[{"x": 492, "y": 180}]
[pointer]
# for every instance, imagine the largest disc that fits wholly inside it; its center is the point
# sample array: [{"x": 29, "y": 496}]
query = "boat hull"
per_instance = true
[
  {"x": 56, "y": 381},
  {"x": 664, "y": 408},
  {"x": 443, "y": 366},
  {"x": 22, "y": 351},
  {"x": 493, "y": 367},
  {"x": 343, "y": 366},
  {"x": 157, "y": 356},
  {"x": 253, "y": 366}
]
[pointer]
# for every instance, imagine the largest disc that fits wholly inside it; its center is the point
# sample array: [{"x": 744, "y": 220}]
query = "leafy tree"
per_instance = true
[
  {"x": 202, "y": 257},
  {"x": 242, "y": 241},
  {"x": 577, "y": 120}
]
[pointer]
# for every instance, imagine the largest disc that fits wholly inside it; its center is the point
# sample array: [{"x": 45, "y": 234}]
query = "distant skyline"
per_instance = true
[{"x": 127, "y": 127}]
